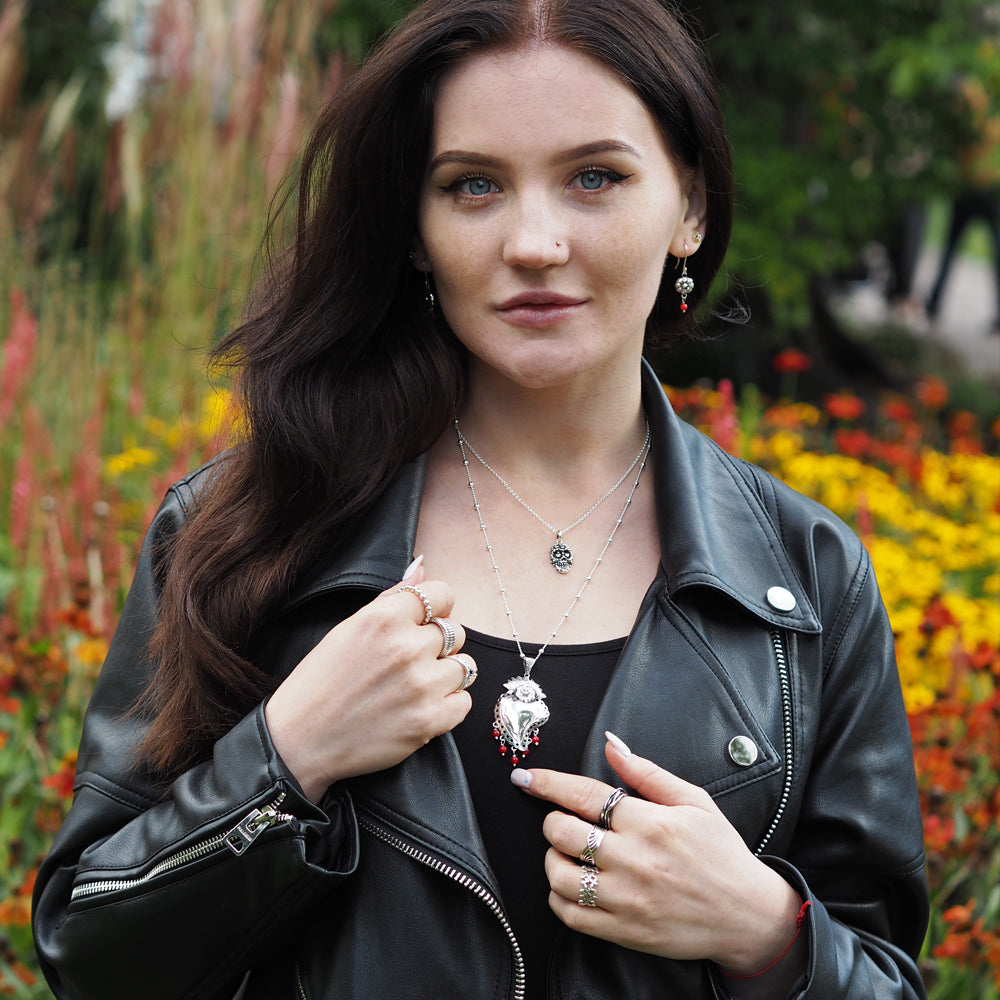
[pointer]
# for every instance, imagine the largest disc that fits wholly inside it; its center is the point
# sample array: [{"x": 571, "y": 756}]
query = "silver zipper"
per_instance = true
[
  {"x": 237, "y": 840},
  {"x": 467, "y": 882},
  {"x": 300, "y": 990},
  {"x": 786, "y": 722}
]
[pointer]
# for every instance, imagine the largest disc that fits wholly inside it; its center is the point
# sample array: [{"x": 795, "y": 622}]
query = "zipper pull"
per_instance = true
[{"x": 254, "y": 824}]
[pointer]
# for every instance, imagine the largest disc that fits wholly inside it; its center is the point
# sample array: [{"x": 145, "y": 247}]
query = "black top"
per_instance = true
[{"x": 574, "y": 679}]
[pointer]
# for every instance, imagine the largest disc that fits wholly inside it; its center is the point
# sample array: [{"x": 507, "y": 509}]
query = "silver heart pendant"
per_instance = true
[{"x": 519, "y": 714}]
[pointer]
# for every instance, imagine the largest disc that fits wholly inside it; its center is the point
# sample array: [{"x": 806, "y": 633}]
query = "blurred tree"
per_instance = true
[{"x": 841, "y": 116}]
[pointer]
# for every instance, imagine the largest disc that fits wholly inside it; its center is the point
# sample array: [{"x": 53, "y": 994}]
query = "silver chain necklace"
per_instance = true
[
  {"x": 560, "y": 555},
  {"x": 521, "y": 711}
]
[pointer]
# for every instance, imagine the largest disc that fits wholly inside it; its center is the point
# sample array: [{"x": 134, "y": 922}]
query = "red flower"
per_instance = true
[
  {"x": 843, "y": 405},
  {"x": 932, "y": 392},
  {"x": 898, "y": 410},
  {"x": 62, "y": 780},
  {"x": 853, "y": 443},
  {"x": 791, "y": 360}
]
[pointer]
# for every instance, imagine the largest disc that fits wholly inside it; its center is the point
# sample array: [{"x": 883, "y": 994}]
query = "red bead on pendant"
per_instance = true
[{"x": 684, "y": 307}]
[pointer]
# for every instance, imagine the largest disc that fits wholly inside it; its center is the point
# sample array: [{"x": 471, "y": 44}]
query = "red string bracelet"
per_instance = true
[{"x": 798, "y": 930}]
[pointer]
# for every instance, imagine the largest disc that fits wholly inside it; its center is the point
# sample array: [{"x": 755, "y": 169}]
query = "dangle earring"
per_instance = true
[
  {"x": 684, "y": 284},
  {"x": 428, "y": 292}
]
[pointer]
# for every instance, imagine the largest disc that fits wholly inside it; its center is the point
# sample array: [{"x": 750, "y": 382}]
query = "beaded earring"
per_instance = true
[{"x": 684, "y": 284}]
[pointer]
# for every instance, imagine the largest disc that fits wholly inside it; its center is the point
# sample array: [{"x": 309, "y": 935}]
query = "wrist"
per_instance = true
[
  {"x": 763, "y": 919},
  {"x": 791, "y": 939}
]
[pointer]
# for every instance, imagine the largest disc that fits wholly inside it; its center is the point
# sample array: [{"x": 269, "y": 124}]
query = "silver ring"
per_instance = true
[
  {"x": 588, "y": 886},
  {"x": 609, "y": 807},
  {"x": 428, "y": 610},
  {"x": 449, "y": 635},
  {"x": 594, "y": 839},
  {"x": 468, "y": 664}
]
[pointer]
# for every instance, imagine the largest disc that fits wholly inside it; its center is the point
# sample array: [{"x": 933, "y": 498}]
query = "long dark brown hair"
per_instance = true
[{"x": 342, "y": 373}]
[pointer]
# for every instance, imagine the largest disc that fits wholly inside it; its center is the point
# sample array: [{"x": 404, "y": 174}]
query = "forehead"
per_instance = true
[{"x": 547, "y": 94}]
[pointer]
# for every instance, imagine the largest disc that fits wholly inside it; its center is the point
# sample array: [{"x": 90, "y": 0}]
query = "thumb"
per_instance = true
[{"x": 651, "y": 781}]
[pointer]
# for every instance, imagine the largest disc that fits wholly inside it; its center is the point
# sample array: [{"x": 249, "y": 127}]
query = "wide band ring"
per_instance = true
[
  {"x": 449, "y": 635},
  {"x": 588, "y": 886},
  {"x": 609, "y": 807},
  {"x": 594, "y": 839},
  {"x": 468, "y": 664},
  {"x": 428, "y": 610}
]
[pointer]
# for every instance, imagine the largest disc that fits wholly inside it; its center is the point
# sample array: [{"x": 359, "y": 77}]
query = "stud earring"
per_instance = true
[
  {"x": 684, "y": 284},
  {"x": 697, "y": 237}
]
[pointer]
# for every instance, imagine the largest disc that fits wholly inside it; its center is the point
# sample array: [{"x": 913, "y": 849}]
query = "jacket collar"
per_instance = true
[{"x": 714, "y": 529}]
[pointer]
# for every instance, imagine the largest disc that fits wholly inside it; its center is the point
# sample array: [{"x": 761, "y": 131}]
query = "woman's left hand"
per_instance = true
[{"x": 675, "y": 878}]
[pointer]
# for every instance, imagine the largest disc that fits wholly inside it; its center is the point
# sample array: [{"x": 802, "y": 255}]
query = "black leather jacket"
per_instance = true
[{"x": 384, "y": 891}]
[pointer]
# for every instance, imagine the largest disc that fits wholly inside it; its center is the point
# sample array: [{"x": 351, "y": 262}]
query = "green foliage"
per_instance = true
[{"x": 839, "y": 116}]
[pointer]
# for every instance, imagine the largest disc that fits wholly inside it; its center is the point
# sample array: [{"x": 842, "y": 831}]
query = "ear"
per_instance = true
[
  {"x": 418, "y": 257},
  {"x": 683, "y": 243}
]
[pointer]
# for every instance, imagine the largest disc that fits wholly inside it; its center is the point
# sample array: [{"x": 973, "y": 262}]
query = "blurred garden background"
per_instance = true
[{"x": 141, "y": 144}]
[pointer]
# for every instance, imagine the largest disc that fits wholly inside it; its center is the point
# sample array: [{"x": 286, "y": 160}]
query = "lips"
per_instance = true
[{"x": 539, "y": 308}]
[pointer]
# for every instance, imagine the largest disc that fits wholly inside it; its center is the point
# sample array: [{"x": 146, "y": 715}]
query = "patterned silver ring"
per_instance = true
[
  {"x": 468, "y": 664},
  {"x": 609, "y": 807},
  {"x": 428, "y": 610},
  {"x": 588, "y": 886},
  {"x": 449, "y": 635},
  {"x": 594, "y": 839}
]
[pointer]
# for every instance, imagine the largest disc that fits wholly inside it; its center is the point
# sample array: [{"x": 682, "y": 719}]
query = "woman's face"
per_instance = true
[{"x": 547, "y": 213}]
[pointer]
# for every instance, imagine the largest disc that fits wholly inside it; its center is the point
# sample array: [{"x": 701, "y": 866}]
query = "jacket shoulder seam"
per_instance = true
[{"x": 851, "y": 599}]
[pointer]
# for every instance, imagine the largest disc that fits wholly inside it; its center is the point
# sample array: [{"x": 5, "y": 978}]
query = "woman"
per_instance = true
[{"x": 458, "y": 463}]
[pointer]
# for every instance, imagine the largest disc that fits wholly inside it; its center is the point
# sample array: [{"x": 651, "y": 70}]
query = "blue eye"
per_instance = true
[
  {"x": 475, "y": 187},
  {"x": 597, "y": 178}
]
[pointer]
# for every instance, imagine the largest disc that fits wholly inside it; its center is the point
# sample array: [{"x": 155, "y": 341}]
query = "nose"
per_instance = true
[{"x": 534, "y": 238}]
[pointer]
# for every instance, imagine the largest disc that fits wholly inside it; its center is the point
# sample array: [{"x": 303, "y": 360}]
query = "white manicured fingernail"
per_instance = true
[
  {"x": 520, "y": 777},
  {"x": 412, "y": 568},
  {"x": 620, "y": 745}
]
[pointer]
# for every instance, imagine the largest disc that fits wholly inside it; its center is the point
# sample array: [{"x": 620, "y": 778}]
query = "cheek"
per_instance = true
[{"x": 633, "y": 259}]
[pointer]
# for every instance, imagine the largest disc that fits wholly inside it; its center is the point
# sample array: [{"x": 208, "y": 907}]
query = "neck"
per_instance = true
[{"x": 568, "y": 432}]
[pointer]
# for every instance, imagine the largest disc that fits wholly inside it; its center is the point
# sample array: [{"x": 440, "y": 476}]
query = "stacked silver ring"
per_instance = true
[
  {"x": 428, "y": 610},
  {"x": 448, "y": 634},
  {"x": 588, "y": 886},
  {"x": 613, "y": 799},
  {"x": 594, "y": 839},
  {"x": 468, "y": 664}
]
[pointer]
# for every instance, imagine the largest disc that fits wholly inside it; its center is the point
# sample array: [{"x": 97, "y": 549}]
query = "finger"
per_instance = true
[
  {"x": 571, "y": 835},
  {"x": 447, "y": 637},
  {"x": 651, "y": 781},
  {"x": 423, "y": 601},
  {"x": 470, "y": 671},
  {"x": 581, "y": 795}
]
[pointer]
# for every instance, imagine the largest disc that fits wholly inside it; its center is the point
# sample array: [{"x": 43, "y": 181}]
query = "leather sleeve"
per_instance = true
[
  {"x": 856, "y": 849},
  {"x": 171, "y": 910}
]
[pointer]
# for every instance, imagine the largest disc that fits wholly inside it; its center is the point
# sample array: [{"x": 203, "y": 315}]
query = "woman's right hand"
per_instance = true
[{"x": 373, "y": 690}]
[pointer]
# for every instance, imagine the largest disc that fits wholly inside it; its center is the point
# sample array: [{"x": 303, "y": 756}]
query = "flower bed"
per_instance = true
[{"x": 919, "y": 490}]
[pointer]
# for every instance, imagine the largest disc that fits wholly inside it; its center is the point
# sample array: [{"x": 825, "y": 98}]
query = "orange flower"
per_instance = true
[
  {"x": 843, "y": 405},
  {"x": 932, "y": 392},
  {"x": 15, "y": 911},
  {"x": 62, "y": 780},
  {"x": 898, "y": 410},
  {"x": 791, "y": 360},
  {"x": 853, "y": 443}
]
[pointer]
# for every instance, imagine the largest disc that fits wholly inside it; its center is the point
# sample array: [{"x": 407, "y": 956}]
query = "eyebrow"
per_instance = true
[{"x": 576, "y": 153}]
